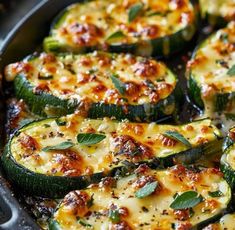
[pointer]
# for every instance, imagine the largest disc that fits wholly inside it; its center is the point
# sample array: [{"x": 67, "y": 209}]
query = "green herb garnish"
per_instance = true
[
  {"x": 114, "y": 216},
  {"x": 185, "y": 200},
  {"x": 231, "y": 71},
  {"x": 60, "y": 122},
  {"x": 90, "y": 138},
  {"x": 61, "y": 146},
  {"x": 135, "y": 11},
  {"x": 178, "y": 137},
  {"x": 147, "y": 190},
  {"x": 119, "y": 85},
  {"x": 217, "y": 193},
  {"x": 84, "y": 223},
  {"x": 115, "y": 35}
]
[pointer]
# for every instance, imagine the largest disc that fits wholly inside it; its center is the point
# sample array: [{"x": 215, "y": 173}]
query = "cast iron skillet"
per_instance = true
[
  {"x": 26, "y": 36},
  {"x": 24, "y": 39}
]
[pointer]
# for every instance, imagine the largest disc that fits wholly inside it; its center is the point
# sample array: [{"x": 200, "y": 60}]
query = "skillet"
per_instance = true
[{"x": 25, "y": 38}]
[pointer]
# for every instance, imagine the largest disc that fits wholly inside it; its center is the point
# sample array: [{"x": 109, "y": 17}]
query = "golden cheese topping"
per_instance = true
[
  {"x": 130, "y": 21},
  {"x": 118, "y": 204},
  {"x": 222, "y": 8},
  {"x": 120, "y": 141},
  {"x": 97, "y": 77},
  {"x": 212, "y": 64},
  {"x": 225, "y": 223},
  {"x": 230, "y": 150}
]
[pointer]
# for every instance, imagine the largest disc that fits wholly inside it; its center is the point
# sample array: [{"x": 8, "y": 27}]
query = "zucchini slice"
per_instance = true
[
  {"x": 226, "y": 222},
  {"x": 97, "y": 84},
  {"x": 217, "y": 12},
  {"x": 53, "y": 156},
  {"x": 211, "y": 78},
  {"x": 148, "y": 199},
  {"x": 146, "y": 28},
  {"x": 227, "y": 160}
]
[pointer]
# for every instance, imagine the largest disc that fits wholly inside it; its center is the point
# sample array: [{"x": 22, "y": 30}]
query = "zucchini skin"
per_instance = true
[
  {"x": 54, "y": 222},
  {"x": 220, "y": 100},
  {"x": 59, "y": 107},
  {"x": 229, "y": 173},
  {"x": 38, "y": 102},
  {"x": 57, "y": 186},
  {"x": 215, "y": 20},
  {"x": 195, "y": 93},
  {"x": 40, "y": 184},
  {"x": 162, "y": 46}
]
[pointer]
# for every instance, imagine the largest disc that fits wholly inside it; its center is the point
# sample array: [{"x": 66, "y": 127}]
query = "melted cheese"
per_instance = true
[
  {"x": 158, "y": 18},
  {"x": 122, "y": 139},
  {"x": 209, "y": 68},
  {"x": 223, "y": 8},
  {"x": 87, "y": 78},
  {"x": 151, "y": 212}
]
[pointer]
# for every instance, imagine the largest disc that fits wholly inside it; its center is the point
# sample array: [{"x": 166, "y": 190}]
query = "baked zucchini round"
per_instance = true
[
  {"x": 226, "y": 222},
  {"x": 146, "y": 200},
  {"x": 217, "y": 12},
  {"x": 146, "y": 28},
  {"x": 227, "y": 159},
  {"x": 97, "y": 84},
  {"x": 54, "y": 156},
  {"x": 211, "y": 73}
]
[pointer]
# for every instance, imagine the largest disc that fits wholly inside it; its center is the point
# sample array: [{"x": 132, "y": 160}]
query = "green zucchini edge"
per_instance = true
[
  {"x": 38, "y": 102},
  {"x": 162, "y": 46},
  {"x": 57, "y": 186}
]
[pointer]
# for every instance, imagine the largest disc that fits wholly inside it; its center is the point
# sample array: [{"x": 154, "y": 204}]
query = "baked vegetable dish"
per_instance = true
[
  {"x": 52, "y": 156},
  {"x": 155, "y": 27},
  {"x": 97, "y": 84},
  {"x": 148, "y": 199},
  {"x": 212, "y": 73},
  {"x": 115, "y": 124}
]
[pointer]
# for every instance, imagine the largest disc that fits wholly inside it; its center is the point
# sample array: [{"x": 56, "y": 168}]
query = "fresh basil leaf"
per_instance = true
[
  {"x": 147, "y": 190},
  {"x": 115, "y": 35},
  {"x": 134, "y": 11},
  {"x": 178, "y": 137},
  {"x": 114, "y": 216},
  {"x": 61, "y": 146},
  {"x": 84, "y": 223},
  {"x": 120, "y": 86},
  {"x": 217, "y": 193},
  {"x": 89, "y": 138},
  {"x": 231, "y": 71},
  {"x": 187, "y": 199}
]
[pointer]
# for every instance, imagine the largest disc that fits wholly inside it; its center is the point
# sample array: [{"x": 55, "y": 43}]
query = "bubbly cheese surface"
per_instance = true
[
  {"x": 150, "y": 212},
  {"x": 210, "y": 67},
  {"x": 134, "y": 142},
  {"x": 78, "y": 27},
  {"x": 223, "y": 8},
  {"x": 89, "y": 78}
]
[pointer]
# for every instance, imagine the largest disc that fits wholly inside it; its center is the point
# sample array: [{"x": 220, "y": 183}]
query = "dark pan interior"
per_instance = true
[
  {"x": 24, "y": 39},
  {"x": 26, "y": 36}
]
